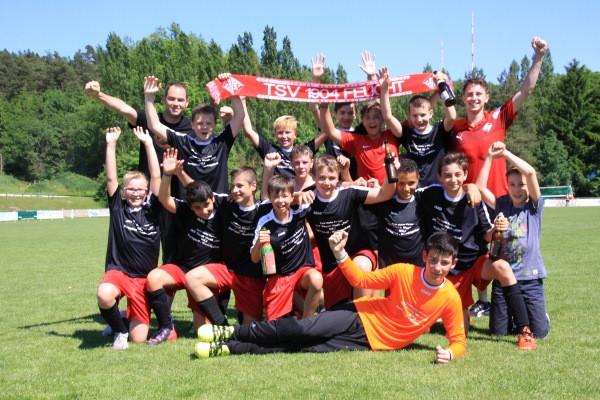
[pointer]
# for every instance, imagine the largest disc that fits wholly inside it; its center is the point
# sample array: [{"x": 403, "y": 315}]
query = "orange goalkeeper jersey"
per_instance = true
[{"x": 411, "y": 308}]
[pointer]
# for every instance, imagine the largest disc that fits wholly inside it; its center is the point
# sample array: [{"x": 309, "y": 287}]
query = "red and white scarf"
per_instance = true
[{"x": 280, "y": 89}]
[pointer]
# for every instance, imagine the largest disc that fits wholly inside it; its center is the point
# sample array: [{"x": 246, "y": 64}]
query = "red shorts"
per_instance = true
[
  {"x": 135, "y": 291},
  {"x": 370, "y": 254},
  {"x": 335, "y": 288},
  {"x": 472, "y": 276},
  {"x": 279, "y": 293},
  {"x": 248, "y": 291},
  {"x": 335, "y": 285},
  {"x": 317, "y": 257},
  {"x": 179, "y": 277}
]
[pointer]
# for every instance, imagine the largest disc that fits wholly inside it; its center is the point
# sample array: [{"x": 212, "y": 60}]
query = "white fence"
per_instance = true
[{"x": 52, "y": 214}]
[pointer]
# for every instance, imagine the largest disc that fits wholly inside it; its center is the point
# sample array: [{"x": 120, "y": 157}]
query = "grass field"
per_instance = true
[
  {"x": 51, "y": 347},
  {"x": 45, "y": 202}
]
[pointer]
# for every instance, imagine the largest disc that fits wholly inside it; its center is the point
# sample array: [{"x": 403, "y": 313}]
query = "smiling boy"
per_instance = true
[
  {"x": 418, "y": 297},
  {"x": 285, "y": 228},
  {"x": 200, "y": 240},
  {"x": 133, "y": 243},
  {"x": 333, "y": 209},
  {"x": 237, "y": 272},
  {"x": 446, "y": 209},
  {"x": 426, "y": 144},
  {"x": 206, "y": 155}
]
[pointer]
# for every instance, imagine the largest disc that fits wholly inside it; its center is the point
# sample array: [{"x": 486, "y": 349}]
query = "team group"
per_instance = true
[{"x": 339, "y": 229}]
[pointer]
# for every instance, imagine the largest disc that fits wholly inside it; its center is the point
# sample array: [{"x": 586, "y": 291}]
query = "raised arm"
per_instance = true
[
  {"x": 382, "y": 193},
  {"x": 533, "y": 186},
  {"x": 327, "y": 125},
  {"x": 495, "y": 151},
  {"x": 151, "y": 87},
  {"x": 270, "y": 162},
  {"x": 170, "y": 165},
  {"x": 239, "y": 110},
  {"x": 368, "y": 65},
  {"x": 318, "y": 68},
  {"x": 386, "y": 109},
  {"x": 247, "y": 126},
  {"x": 153, "y": 165},
  {"x": 539, "y": 47},
  {"x": 92, "y": 88},
  {"x": 112, "y": 181},
  {"x": 449, "y": 112}
]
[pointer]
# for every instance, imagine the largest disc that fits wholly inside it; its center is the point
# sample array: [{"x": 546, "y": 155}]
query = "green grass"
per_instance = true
[
  {"x": 46, "y": 202},
  {"x": 8, "y": 184},
  {"x": 67, "y": 184},
  {"x": 51, "y": 346}
]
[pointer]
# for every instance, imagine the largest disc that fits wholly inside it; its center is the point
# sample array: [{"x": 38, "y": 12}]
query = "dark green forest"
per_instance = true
[{"x": 48, "y": 125}]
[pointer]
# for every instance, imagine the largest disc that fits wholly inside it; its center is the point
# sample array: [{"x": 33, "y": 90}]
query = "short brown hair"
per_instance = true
[
  {"x": 368, "y": 106},
  {"x": 177, "y": 84},
  {"x": 475, "y": 81},
  {"x": 513, "y": 171},
  {"x": 454, "y": 158},
  {"x": 418, "y": 101},
  {"x": 204, "y": 108},
  {"x": 249, "y": 173},
  {"x": 280, "y": 183},
  {"x": 300, "y": 150},
  {"x": 326, "y": 161},
  {"x": 337, "y": 106}
]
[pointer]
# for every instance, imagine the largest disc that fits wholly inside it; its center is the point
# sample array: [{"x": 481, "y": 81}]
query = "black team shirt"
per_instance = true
[
  {"x": 205, "y": 161},
  {"x": 402, "y": 232},
  {"x": 239, "y": 224},
  {"x": 426, "y": 149},
  {"x": 133, "y": 236},
  {"x": 200, "y": 239},
  {"x": 455, "y": 216},
  {"x": 336, "y": 213},
  {"x": 289, "y": 239}
]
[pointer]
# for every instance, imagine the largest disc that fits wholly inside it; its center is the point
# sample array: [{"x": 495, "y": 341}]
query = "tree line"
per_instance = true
[{"x": 48, "y": 125}]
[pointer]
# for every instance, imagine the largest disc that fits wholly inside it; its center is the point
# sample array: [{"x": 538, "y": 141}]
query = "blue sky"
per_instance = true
[{"x": 404, "y": 35}]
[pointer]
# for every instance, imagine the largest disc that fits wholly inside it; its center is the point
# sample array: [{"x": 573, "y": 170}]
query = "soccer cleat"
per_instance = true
[
  {"x": 526, "y": 340},
  {"x": 206, "y": 350},
  {"x": 121, "y": 342},
  {"x": 160, "y": 336},
  {"x": 108, "y": 330},
  {"x": 173, "y": 334},
  {"x": 481, "y": 308},
  {"x": 214, "y": 333}
]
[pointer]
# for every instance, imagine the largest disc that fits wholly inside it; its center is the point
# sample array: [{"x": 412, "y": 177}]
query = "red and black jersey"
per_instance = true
[
  {"x": 289, "y": 239},
  {"x": 466, "y": 224},
  {"x": 133, "y": 236},
  {"x": 475, "y": 141}
]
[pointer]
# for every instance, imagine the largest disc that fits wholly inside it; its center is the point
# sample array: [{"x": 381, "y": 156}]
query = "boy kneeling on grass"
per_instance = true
[
  {"x": 133, "y": 243},
  {"x": 418, "y": 297}
]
